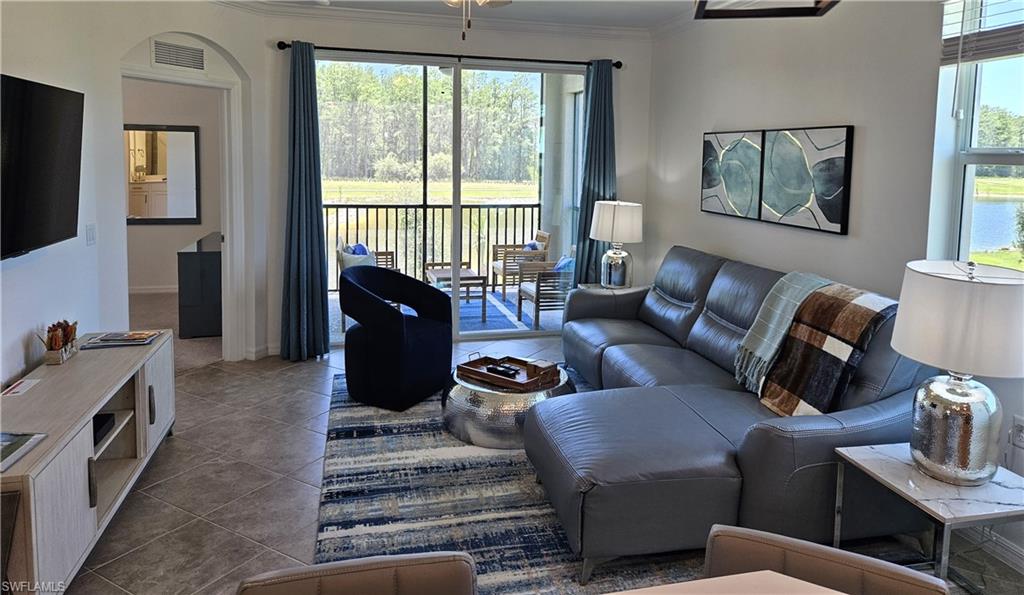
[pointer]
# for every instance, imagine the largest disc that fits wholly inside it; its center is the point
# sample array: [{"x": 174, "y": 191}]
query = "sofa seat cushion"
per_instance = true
[
  {"x": 657, "y": 365},
  {"x": 585, "y": 340},
  {"x": 731, "y": 412},
  {"x": 632, "y": 471}
]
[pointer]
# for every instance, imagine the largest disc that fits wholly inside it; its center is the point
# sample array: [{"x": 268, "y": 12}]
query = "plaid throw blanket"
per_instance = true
[
  {"x": 761, "y": 343},
  {"x": 825, "y": 344}
]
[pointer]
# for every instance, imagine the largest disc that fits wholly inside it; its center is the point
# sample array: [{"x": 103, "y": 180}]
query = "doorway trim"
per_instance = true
[{"x": 234, "y": 310}]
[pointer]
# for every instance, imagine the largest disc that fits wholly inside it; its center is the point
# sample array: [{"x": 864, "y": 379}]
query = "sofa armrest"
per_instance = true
[
  {"x": 407, "y": 574},
  {"x": 789, "y": 469},
  {"x": 604, "y": 303}
]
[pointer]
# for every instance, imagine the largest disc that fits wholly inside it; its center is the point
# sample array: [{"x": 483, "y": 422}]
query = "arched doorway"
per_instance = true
[{"x": 187, "y": 60}]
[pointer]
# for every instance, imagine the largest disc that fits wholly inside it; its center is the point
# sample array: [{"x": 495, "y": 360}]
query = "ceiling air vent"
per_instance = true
[{"x": 178, "y": 56}]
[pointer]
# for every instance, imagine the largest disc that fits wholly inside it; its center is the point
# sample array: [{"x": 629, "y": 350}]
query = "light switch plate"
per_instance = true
[{"x": 90, "y": 234}]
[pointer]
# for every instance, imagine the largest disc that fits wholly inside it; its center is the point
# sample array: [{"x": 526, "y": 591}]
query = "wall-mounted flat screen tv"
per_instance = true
[{"x": 40, "y": 164}]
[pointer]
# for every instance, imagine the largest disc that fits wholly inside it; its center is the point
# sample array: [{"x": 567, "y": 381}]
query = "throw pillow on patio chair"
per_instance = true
[
  {"x": 546, "y": 285},
  {"x": 506, "y": 258}
]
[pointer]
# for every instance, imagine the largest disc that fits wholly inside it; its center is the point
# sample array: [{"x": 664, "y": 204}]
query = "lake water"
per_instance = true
[{"x": 992, "y": 226}]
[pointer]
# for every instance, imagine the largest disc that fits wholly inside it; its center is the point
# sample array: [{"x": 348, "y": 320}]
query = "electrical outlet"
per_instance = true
[
  {"x": 1017, "y": 431},
  {"x": 90, "y": 234}
]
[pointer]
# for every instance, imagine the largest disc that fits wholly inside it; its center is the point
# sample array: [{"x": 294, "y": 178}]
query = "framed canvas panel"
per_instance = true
[
  {"x": 731, "y": 173},
  {"x": 805, "y": 179}
]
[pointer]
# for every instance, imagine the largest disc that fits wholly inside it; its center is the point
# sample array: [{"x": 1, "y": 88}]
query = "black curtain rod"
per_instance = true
[{"x": 283, "y": 45}]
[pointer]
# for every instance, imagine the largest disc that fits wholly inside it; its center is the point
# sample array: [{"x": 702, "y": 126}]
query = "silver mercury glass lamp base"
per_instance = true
[
  {"x": 955, "y": 435},
  {"x": 616, "y": 268}
]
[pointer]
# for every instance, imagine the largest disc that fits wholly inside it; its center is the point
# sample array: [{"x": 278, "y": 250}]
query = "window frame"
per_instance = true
[{"x": 967, "y": 98}]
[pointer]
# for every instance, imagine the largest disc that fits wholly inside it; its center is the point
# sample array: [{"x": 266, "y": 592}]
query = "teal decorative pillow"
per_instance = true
[{"x": 565, "y": 263}]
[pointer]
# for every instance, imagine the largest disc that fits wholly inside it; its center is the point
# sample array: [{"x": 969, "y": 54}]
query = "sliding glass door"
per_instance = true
[
  {"x": 490, "y": 232},
  {"x": 518, "y": 176}
]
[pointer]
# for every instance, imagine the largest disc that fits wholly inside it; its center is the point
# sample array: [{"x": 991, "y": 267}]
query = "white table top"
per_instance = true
[
  {"x": 760, "y": 582},
  {"x": 891, "y": 465}
]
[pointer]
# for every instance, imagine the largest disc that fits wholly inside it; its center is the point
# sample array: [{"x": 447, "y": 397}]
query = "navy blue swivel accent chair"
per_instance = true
[{"x": 394, "y": 360}]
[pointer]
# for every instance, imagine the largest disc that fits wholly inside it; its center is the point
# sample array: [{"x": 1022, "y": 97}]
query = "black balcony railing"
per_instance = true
[{"x": 419, "y": 234}]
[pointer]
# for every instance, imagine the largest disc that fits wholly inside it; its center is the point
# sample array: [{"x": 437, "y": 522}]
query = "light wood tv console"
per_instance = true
[{"x": 69, "y": 487}]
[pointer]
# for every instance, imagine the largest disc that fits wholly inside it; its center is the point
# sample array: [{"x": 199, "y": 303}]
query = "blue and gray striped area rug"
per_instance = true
[{"x": 398, "y": 483}]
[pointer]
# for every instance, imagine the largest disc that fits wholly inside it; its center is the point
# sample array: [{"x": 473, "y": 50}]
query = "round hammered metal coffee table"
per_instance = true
[{"x": 491, "y": 416}]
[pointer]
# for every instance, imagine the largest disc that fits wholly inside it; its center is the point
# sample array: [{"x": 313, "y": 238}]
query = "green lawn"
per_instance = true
[
  {"x": 377, "y": 192},
  {"x": 1010, "y": 259},
  {"x": 999, "y": 188}
]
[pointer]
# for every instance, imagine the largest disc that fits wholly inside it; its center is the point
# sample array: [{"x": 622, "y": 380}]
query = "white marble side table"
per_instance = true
[{"x": 949, "y": 506}]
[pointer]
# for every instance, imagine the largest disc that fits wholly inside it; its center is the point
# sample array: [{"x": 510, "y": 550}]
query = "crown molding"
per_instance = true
[
  {"x": 387, "y": 17},
  {"x": 674, "y": 26}
]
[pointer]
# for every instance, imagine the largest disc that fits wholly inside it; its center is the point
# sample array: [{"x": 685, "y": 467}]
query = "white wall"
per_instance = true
[
  {"x": 152, "y": 249},
  {"x": 870, "y": 64},
  {"x": 84, "y": 48}
]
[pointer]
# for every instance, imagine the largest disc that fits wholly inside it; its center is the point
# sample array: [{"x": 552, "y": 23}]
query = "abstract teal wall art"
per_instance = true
[
  {"x": 806, "y": 178},
  {"x": 731, "y": 173},
  {"x": 795, "y": 176}
]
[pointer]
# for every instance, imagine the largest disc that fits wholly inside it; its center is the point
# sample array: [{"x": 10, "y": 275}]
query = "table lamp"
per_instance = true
[
  {"x": 968, "y": 319},
  {"x": 620, "y": 223}
]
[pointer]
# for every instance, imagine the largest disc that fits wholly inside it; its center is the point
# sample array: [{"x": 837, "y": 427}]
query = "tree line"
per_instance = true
[
  {"x": 371, "y": 123},
  {"x": 998, "y": 127}
]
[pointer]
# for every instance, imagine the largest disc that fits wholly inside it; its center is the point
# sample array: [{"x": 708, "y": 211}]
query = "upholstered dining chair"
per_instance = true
[
  {"x": 734, "y": 550},
  {"x": 392, "y": 359},
  {"x": 506, "y": 258},
  {"x": 452, "y": 573}
]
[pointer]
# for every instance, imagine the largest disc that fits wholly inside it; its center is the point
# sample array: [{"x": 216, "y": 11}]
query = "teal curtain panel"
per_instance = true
[{"x": 304, "y": 314}]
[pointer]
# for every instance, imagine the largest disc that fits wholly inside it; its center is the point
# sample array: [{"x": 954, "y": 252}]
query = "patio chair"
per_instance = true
[
  {"x": 506, "y": 258},
  {"x": 545, "y": 287},
  {"x": 385, "y": 259}
]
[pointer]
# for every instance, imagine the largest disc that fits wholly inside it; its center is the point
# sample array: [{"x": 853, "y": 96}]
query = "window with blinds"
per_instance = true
[
  {"x": 974, "y": 30},
  {"x": 983, "y": 59}
]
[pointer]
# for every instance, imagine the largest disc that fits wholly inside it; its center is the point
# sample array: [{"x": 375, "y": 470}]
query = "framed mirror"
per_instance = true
[{"x": 162, "y": 166}]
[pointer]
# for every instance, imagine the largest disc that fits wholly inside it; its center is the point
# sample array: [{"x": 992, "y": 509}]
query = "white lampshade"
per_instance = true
[
  {"x": 969, "y": 324},
  {"x": 617, "y": 221}
]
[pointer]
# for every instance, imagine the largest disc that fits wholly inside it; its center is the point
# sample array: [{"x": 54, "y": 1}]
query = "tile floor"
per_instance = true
[
  {"x": 160, "y": 310},
  {"x": 235, "y": 491}
]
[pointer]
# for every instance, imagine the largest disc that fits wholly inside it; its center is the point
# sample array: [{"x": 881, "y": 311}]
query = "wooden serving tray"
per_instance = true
[{"x": 533, "y": 374}]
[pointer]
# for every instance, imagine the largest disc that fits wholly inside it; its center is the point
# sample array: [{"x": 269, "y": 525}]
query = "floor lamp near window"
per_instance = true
[
  {"x": 620, "y": 223},
  {"x": 968, "y": 319}
]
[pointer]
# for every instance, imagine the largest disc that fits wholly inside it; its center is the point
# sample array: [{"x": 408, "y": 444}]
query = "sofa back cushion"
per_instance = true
[
  {"x": 731, "y": 307},
  {"x": 679, "y": 291}
]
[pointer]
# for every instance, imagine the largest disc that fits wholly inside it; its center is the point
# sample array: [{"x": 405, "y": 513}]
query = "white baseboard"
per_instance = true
[
  {"x": 154, "y": 289},
  {"x": 998, "y": 546},
  {"x": 259, "y": 352}
]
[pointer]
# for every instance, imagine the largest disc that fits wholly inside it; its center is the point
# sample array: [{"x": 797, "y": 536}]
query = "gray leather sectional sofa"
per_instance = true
[{"x": 673, "y": 444}]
